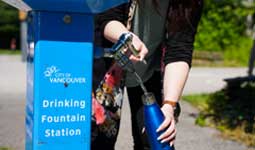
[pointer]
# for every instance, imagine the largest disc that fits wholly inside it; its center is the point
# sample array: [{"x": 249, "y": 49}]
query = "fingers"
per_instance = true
[
  {"x": 172, "y": 141},
  {"x": 134, "y": 59},
  {"x": 143, "y": 52},
  {"x": 164, "y": 124},
  {"x": 169, "y": 133},
  {"x": 143, "y": 130},
  {"x": 168, "y": 125},
  {"x": 170, "y": 138},
  {"x": 139, "y": 46},
  {"x": 168, "y": 113}
]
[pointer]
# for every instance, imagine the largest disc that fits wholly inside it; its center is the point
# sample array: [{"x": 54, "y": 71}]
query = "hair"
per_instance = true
[{"x": 180, "y": 14}]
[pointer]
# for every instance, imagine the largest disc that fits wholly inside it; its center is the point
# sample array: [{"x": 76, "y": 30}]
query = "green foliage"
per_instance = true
[
  {"x": 9, "y": 21},
  {"x": 234, "y": 105},
  {"x": 231, "y": 110},
  {"x": 9, "y": 24},
  {"x": 201, "y": 121},
  {"x": 199, "y": 101},
  {"x": 239, "y": 55},
  {"x": 222, "y": 25}
]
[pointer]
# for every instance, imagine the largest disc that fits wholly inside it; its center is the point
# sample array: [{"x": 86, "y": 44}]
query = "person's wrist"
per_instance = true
[
  {"x": 170, "y": 103},
  {"x": 168, "y": 108},
  {"x": 173, "y": 106}
]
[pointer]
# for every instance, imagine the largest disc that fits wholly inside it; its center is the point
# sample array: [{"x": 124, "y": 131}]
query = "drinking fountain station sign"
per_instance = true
[{"x": 59, "y": 71}]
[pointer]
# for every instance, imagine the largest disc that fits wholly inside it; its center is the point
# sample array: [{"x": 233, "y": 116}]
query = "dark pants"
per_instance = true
[
  {"x": 153, "y": 85},
  {"x": 103, "y": 143}
]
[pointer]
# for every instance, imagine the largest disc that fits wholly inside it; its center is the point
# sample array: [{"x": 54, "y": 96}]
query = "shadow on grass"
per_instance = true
[
  {"x": 231, "y": 110},
  {"x": 234, "y": 106}
]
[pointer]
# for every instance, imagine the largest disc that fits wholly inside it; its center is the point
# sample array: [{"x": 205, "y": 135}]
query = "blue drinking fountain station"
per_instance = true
[{"x": 59, "y": 71}]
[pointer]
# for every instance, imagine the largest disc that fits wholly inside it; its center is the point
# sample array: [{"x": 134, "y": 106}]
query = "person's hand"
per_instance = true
[
  {"x": 168, "y": 125},
  {"x": 140, "y": 46}
]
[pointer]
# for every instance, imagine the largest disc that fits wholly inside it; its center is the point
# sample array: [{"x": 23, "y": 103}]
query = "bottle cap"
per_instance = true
[{"x": 148, "y": 99}]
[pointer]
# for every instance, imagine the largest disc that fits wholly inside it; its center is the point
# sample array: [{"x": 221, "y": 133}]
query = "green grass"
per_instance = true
[
  {"x": 5, "y": 148},
  {"x": 198, "y": 100},
  {"x": 9, "y": 52},
  {"x": 233, "y": 56},
  {"x": 227, "y": 112}
]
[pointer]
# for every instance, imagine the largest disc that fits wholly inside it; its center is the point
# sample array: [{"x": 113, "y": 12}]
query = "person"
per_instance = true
[
  {"x": 13, "y": 44},
  {"x": 163, "y": 33}
]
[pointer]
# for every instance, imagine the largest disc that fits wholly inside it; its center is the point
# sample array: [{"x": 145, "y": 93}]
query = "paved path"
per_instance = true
[
  {"x": 190, "y": 137},
  {"x": 206, "y": 80},
  {"x": 12, "y": 102}
]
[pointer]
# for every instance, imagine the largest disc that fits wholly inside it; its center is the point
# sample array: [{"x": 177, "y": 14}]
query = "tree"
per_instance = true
[
  {"x": 222, "y": 25},
  {"x": 9, "y": 25}
]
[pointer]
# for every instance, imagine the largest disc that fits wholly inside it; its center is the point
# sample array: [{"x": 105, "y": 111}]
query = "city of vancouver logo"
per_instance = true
[
  {"x": 50, "y": 71},
  {"x": 54, "y": 75}
]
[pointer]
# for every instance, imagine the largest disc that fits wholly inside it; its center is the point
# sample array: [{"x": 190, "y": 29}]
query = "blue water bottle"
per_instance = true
[{"x": 153, "y": 117}]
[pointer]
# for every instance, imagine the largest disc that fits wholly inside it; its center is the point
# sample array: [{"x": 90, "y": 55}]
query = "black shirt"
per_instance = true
[{"x": 182, "y": 21}]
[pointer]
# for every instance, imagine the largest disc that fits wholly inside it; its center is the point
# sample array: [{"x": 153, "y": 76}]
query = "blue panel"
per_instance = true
[
  {"x": 50, "y": 26},
  {"x": 30, "y": 89},
  {"x": 63, "y": 85},
  {"x": 29, "y": 106},
  {"x": 84, "y": 6}
]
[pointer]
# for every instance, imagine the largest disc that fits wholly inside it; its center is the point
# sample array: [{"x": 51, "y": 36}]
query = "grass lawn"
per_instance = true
[
  {"x": 233, "y": 117},
  {"x": 9, "y": 52},
  {"x": 5, "y": 148}
]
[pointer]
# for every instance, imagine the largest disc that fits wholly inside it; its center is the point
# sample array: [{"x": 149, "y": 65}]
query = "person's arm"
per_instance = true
[
  {"x": 175, "y": 76},
  {"x": 113, "y": 30},
  {"x": 111, "y": 25},
  {"x": 117, "y": 14},
  {"x": 178, "y": 58}
]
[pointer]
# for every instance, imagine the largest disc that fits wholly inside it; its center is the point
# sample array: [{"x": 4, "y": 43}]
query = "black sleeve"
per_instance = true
[
  {"x": 119, "y": 13},
  {"x": 181, "y": 29}
]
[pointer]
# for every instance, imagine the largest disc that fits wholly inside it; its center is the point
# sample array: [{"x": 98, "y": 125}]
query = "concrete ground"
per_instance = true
[{"x": 190, "y": 136}]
